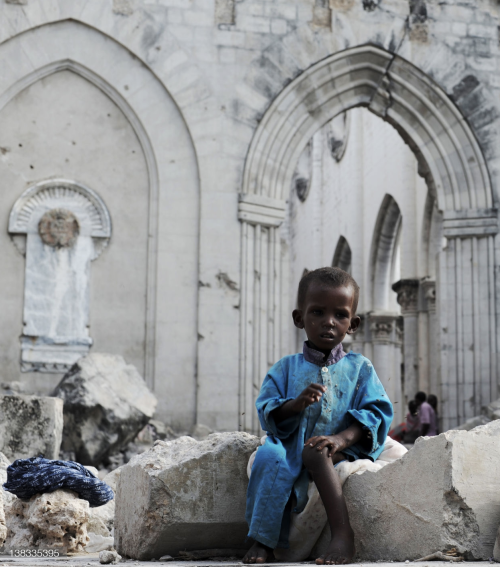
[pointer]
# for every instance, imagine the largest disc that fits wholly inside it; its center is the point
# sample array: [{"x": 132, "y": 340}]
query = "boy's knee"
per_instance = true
[{"x": 312, "y": 458}]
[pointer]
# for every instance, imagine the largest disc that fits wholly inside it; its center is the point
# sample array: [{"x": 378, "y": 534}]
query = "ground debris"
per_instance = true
[
  {"x": 450, "y": 555},
  {"x": 210, "y": 554}
]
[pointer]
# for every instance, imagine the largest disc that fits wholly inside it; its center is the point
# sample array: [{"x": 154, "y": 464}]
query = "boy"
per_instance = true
[{"x": 318, "y": 408}]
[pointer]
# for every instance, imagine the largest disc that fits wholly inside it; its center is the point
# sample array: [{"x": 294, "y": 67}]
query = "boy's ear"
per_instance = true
[
  {"x": 298, "y": 320},
  {"x": 353, "y": 327}
]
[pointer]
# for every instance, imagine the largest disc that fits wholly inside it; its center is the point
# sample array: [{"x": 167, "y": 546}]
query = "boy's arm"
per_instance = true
[{"x": 307, "y": 397}]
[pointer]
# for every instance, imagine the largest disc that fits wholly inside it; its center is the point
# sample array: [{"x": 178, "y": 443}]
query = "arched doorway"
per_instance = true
[{"x": 454, "y": 168}]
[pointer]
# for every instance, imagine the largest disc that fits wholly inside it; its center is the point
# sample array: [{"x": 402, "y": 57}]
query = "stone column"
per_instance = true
[
  {"x": 263, "y": 299},
  {"x": 387, "y": 356},
  {"x": 407, "y": 292},
  {"x": 466, "y": 310},
  {"x": 428, "y": 343}
]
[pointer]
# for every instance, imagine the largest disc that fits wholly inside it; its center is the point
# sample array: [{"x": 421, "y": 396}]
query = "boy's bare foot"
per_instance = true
[
  {"x": 258, "y": 553},
  {"x": 340, "y": 551}
]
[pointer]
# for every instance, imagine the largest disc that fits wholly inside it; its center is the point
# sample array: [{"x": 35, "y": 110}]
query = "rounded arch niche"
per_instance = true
[
  {"x": 60, "y": 226},
  {"x": 449, "y": 158}
]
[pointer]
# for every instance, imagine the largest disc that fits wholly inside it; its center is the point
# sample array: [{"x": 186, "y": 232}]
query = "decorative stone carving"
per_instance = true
[
  {"x": 60, "y": 226},
  {"x": 382, "y": 326},
  {"x": 301, "y": 181},
  {"x": 429, "y": 291},
  {"x": 407, "y": 291},
  {"x": 337, "y": 132}
]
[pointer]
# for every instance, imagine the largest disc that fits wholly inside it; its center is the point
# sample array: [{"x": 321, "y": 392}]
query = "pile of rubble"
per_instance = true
[{"x": 185, "y": 496}]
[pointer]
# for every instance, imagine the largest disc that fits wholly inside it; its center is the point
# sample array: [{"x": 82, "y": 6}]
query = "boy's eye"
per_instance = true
[{"x": 317, "y": 312}]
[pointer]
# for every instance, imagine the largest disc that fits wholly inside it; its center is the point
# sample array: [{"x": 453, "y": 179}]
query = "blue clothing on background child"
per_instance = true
[{"x": 354, "y": 393}]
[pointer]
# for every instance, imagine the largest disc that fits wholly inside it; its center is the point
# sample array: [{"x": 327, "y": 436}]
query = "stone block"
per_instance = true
[
  {"x": 443, "y": 494},
  {"x": 57, "y": 520},
  {"x": 184, "y": 495},
  {"x": 30, "y": 426},
  {"x": 106, "y": 403}
]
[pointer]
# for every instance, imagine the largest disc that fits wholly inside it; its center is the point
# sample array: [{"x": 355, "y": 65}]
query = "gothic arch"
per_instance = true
[
  {"x": 384, "y": 243},
  {"x": 162, "y": 131},
  {"x": 392, "y": 88},
  {"x": 449, "y": 159},
  {"x": 342, "y": 257}
]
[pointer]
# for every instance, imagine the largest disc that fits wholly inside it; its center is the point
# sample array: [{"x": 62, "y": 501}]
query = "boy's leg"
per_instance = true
[
  {"x": 320, "y": 465},
  {"x": 267, "y": 496}
]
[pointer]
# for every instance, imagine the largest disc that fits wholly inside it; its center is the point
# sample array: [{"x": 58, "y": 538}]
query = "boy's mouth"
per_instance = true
[{"x": 328, "y": 336}]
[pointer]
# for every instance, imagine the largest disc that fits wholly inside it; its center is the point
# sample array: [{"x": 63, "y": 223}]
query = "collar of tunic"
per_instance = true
[{"x": 317, "y": 357}]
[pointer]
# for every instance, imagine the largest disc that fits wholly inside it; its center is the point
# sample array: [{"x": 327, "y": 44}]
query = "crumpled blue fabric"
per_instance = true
[{"x": 26, "y": 477}]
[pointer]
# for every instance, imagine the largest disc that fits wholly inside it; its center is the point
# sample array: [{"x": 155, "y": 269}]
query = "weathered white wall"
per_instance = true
[
  {"x": 63, "y": 126},
  {"x": 193, "y": 80}
]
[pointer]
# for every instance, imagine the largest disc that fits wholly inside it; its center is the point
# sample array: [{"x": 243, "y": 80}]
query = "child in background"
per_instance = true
[
  {"x": 412, "y": 423},
  {"x": 426, "y": 416},
  {"x": 433, "y": 402},
  {"x": 318, "y": 408}
]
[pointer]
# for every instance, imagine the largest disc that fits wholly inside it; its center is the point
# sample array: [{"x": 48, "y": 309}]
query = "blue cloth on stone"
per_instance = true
[
  {"x": 354, "y": 393},
  {"x": 26, "y": 477}
]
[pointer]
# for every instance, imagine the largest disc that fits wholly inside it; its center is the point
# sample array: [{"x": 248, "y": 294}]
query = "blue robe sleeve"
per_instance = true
[
  {"x": 273, "y": 394},
  {"x": 373, "y": 410}
]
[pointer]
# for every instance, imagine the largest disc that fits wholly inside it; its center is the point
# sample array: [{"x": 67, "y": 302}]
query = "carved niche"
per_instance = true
[{"x": 60, "y": 226}]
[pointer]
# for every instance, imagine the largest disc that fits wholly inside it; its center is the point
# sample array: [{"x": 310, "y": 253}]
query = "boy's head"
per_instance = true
[
  {"x": 420, "y": 398},
  {"x": 328, "y": 277},
  {"x": 327, "y": 303},
  {"x": 432, "y": 401}
]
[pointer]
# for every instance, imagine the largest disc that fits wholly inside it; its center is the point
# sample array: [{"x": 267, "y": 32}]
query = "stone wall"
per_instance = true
[{"x": 191, "y": 291}]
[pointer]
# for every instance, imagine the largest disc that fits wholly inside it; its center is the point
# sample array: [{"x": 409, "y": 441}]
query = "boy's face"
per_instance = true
[{"x": 327, "y": 316}]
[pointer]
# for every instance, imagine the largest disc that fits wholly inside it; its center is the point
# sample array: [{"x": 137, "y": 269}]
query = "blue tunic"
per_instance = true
[{"x": 354, "y": 393}]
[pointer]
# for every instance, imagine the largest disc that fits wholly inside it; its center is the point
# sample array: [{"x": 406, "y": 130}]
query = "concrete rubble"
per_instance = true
[
  {"x": 443, "y": 494},
  {"x": 56, "y": 520},
  {"x": 109, "y": 558},
  {"x": 184, "y": 495},
  {"x": 30, "y": 426},
  {"x": 106, "y": 403}
]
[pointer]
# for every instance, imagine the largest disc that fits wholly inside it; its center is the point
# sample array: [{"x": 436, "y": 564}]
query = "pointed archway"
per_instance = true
[{"x": 454, "y": 167}]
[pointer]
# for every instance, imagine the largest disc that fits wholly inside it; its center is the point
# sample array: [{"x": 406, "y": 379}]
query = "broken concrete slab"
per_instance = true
[
  {"x": 56, "y": 520},
  {"x": 443, "y": 494},
  {"x": 184, "y": 494},
  {"x": 106, "y": 403},
  {"x": 30, "y": 426}
]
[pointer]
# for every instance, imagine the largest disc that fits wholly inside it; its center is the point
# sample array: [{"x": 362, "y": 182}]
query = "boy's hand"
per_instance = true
[
  {"x": 335, "y": 442},
  {"x": 309, "y": 396}
]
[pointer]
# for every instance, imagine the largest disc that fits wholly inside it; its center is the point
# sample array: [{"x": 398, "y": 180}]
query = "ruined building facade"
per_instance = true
[{"x": 169, "y": 169}]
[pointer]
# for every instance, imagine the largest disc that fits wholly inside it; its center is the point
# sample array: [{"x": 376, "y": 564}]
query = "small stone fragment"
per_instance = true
[
  {"x": 166, "y": 558},
  {"x": 109, "y": 558}
]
